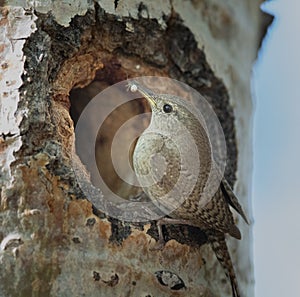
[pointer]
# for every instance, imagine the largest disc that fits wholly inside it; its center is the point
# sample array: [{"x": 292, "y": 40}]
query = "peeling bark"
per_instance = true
[{"x": 54, "y": 59}]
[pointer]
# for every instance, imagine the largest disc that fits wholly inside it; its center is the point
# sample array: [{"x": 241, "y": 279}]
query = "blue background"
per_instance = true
[{"x": 276, "y": 195}]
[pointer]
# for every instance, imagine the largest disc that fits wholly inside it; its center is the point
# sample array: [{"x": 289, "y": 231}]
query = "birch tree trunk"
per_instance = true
[{"x": 55, "y": 57}]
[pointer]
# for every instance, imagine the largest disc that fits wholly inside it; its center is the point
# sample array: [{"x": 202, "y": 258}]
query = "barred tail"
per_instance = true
[{"x": 219, "y": 246}]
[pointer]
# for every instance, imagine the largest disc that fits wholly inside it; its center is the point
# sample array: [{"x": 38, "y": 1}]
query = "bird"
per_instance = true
[{"x": 173, "y": 160}]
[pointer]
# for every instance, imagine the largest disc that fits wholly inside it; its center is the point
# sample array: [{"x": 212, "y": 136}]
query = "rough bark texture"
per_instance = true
[{"x": 53, "y": 241}]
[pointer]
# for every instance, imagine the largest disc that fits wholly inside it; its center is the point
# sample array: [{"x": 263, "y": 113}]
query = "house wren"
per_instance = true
[{"x": 165, "y": 152}]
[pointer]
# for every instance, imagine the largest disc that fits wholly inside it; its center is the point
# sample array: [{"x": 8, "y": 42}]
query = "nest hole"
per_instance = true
[{"x": 124, "y": 114}]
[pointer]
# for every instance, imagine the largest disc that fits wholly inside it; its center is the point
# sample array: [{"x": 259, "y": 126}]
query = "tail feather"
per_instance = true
[
  {"x": 232, "y": 199},
  {"x": 218, "y": 243}
]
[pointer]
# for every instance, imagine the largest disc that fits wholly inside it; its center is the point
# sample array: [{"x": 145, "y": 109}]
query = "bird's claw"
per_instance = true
[{"x": 159, "y": 245}]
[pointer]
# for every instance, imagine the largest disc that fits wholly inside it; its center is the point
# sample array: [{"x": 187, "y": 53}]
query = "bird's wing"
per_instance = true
[{"x": 232, "y": 199}]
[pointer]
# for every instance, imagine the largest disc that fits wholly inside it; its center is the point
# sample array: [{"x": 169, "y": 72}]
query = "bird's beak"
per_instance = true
[
  {"x": 149, "y": 98},
  {"x": 148, "y": 94}
]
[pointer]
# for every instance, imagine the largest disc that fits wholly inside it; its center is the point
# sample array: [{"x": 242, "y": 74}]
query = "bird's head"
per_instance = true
[{"x": 169, "y": 110}]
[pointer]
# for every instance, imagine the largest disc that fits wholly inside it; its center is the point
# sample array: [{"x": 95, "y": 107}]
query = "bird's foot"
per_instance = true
[{"x": 159, "y": 245}]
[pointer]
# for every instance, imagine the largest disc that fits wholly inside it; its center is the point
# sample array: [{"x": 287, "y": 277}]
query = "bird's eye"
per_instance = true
[{"x": 167, "y": 108}]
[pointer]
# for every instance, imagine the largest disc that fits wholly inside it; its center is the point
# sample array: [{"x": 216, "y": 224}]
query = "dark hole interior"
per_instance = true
[{"x": 106, "y": 134}]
